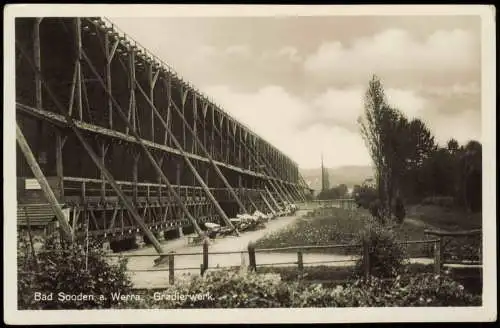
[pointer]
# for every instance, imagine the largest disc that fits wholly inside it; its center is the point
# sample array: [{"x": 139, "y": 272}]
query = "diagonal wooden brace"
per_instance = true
[
  {"x": 188, "y": 162},
  {"x": 47, "y": 190}
]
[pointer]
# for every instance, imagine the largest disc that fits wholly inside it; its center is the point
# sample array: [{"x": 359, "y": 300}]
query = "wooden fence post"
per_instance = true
[
  {"x": 251, "y": 257},
  {"x": 366, "y": 259},
  {"x": 300, "y": 262},
  {"x": 438, "y": 256},
  {"x": 171, "y": 267},
  {"x": 205, "y": 255}
]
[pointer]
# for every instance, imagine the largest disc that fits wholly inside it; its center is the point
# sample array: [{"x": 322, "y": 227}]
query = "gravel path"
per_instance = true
[{"x": 189, "y": 265}]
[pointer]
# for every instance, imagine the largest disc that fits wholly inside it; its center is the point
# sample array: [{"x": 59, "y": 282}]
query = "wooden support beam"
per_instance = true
[
  {"x": 95, "y": 159},
  {"x": 190, "y": 165},
  {"x": 159, "y": 190},
  {"x": 40, "y": 143},
  {"x": 145, "y": 149},
  {"x": 109, "y": 57},
  {"x": 254, "y": 155},
  {"x": 152, "y": 82},
  {"x": 184, "y": 93},
  {"x": 267, "y": 203},
  {"x": 79, "y": 105},
  {"x": 104, "y": 150},
  {"x": 135, "y": 169},
  {"x": 272, "y": 198},
  {"x": 38, "y": 63},
  {"x": 59, "y": 165},
  {"x": 167, "y": 84},
  {"x": 47, "y": 190}
]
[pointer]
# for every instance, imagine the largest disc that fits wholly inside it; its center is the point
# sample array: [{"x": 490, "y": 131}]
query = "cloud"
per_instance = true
[
  {"x": 238, "y": 50},
  {"x": 276, "y": 115},
  {"x": 303, "y": 128},
  {"x": 343, "y": 106},
  {"x": 395, "y": 50},
  {"x": 288, "y": 53},
  {"x": 454, "y": 90},
  {"x": 462, "y": 126}
]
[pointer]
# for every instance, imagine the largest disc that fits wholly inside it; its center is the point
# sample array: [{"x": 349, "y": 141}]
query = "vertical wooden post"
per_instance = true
[
  {"x": 135, "y": 178},
  {"x": 437, "y": 256},
  {"x": 252, "y": 264},
  {"x": 152, "y": 82},
  {"x": 366, "y": 260},
  {"x": 300, "y": 261},
  {"x": 205, "y": 256},
  {"x": 171, "y": 268},
  {"x": 159, "y": 191},
  {"x": 83, "y": 190},
  {"x": 38, "y": 88},
  {"x": 178, "y": 175},
  {"x": 108, "y": 79},
  {"x": 59, "y": 165},
  {"x": 195, "y": 118},
  {"x": 132, "y": 90},
  {"x": 212, "y": 136},
  {"x": 37, "y": 60},
  {"x": 103, "y": 179},
  {"x": 184, "y": 97},
  {"x": 78, "y": 30},
  {"x": 168, "y": 86}
]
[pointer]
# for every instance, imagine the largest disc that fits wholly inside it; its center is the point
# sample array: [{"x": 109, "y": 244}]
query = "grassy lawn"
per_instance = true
[
  {"x": 445, "y": 218},
  {"x": 337, "y": 226}
]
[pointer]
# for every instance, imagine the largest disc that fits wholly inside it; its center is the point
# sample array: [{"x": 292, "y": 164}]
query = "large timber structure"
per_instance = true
[{"x": 111, "y": 141}]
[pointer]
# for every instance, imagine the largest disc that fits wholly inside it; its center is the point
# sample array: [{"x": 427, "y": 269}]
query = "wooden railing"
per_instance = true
[
  {"x": 85, "y": 188},
  {"x": 253, "y": 263},
  {"x": 441, "y": 244}
]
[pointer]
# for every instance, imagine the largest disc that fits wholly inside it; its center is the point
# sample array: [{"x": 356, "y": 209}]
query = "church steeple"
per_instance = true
[{"x": 325, "y": 183}]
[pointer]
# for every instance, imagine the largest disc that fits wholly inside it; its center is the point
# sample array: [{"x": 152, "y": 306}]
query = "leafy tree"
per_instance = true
[
  {"x": 398, "y": 147},
  {"x": 471, "y": 172},
  {"x": 372, "y": 131}
]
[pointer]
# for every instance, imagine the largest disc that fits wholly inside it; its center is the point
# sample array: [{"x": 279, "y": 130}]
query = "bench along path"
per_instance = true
[{"x": 229, "y": 243}]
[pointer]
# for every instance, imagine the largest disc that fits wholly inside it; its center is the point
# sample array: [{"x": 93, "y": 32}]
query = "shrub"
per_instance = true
[
  {"x": 364, "y": 196},
  {"x": 386, "y": 256},
  {"x": 376, "y": 210},
  {"x": 225, "y": 289},
  {"x": 70, "y": 271},
  {"x": 232, "y": 289}
]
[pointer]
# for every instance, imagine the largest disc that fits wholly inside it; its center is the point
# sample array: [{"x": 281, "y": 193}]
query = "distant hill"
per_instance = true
[{"x": 348, "y": 175}]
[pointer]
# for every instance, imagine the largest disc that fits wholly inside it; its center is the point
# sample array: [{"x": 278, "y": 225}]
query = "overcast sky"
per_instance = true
[{"x": 299, "y": 82}]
